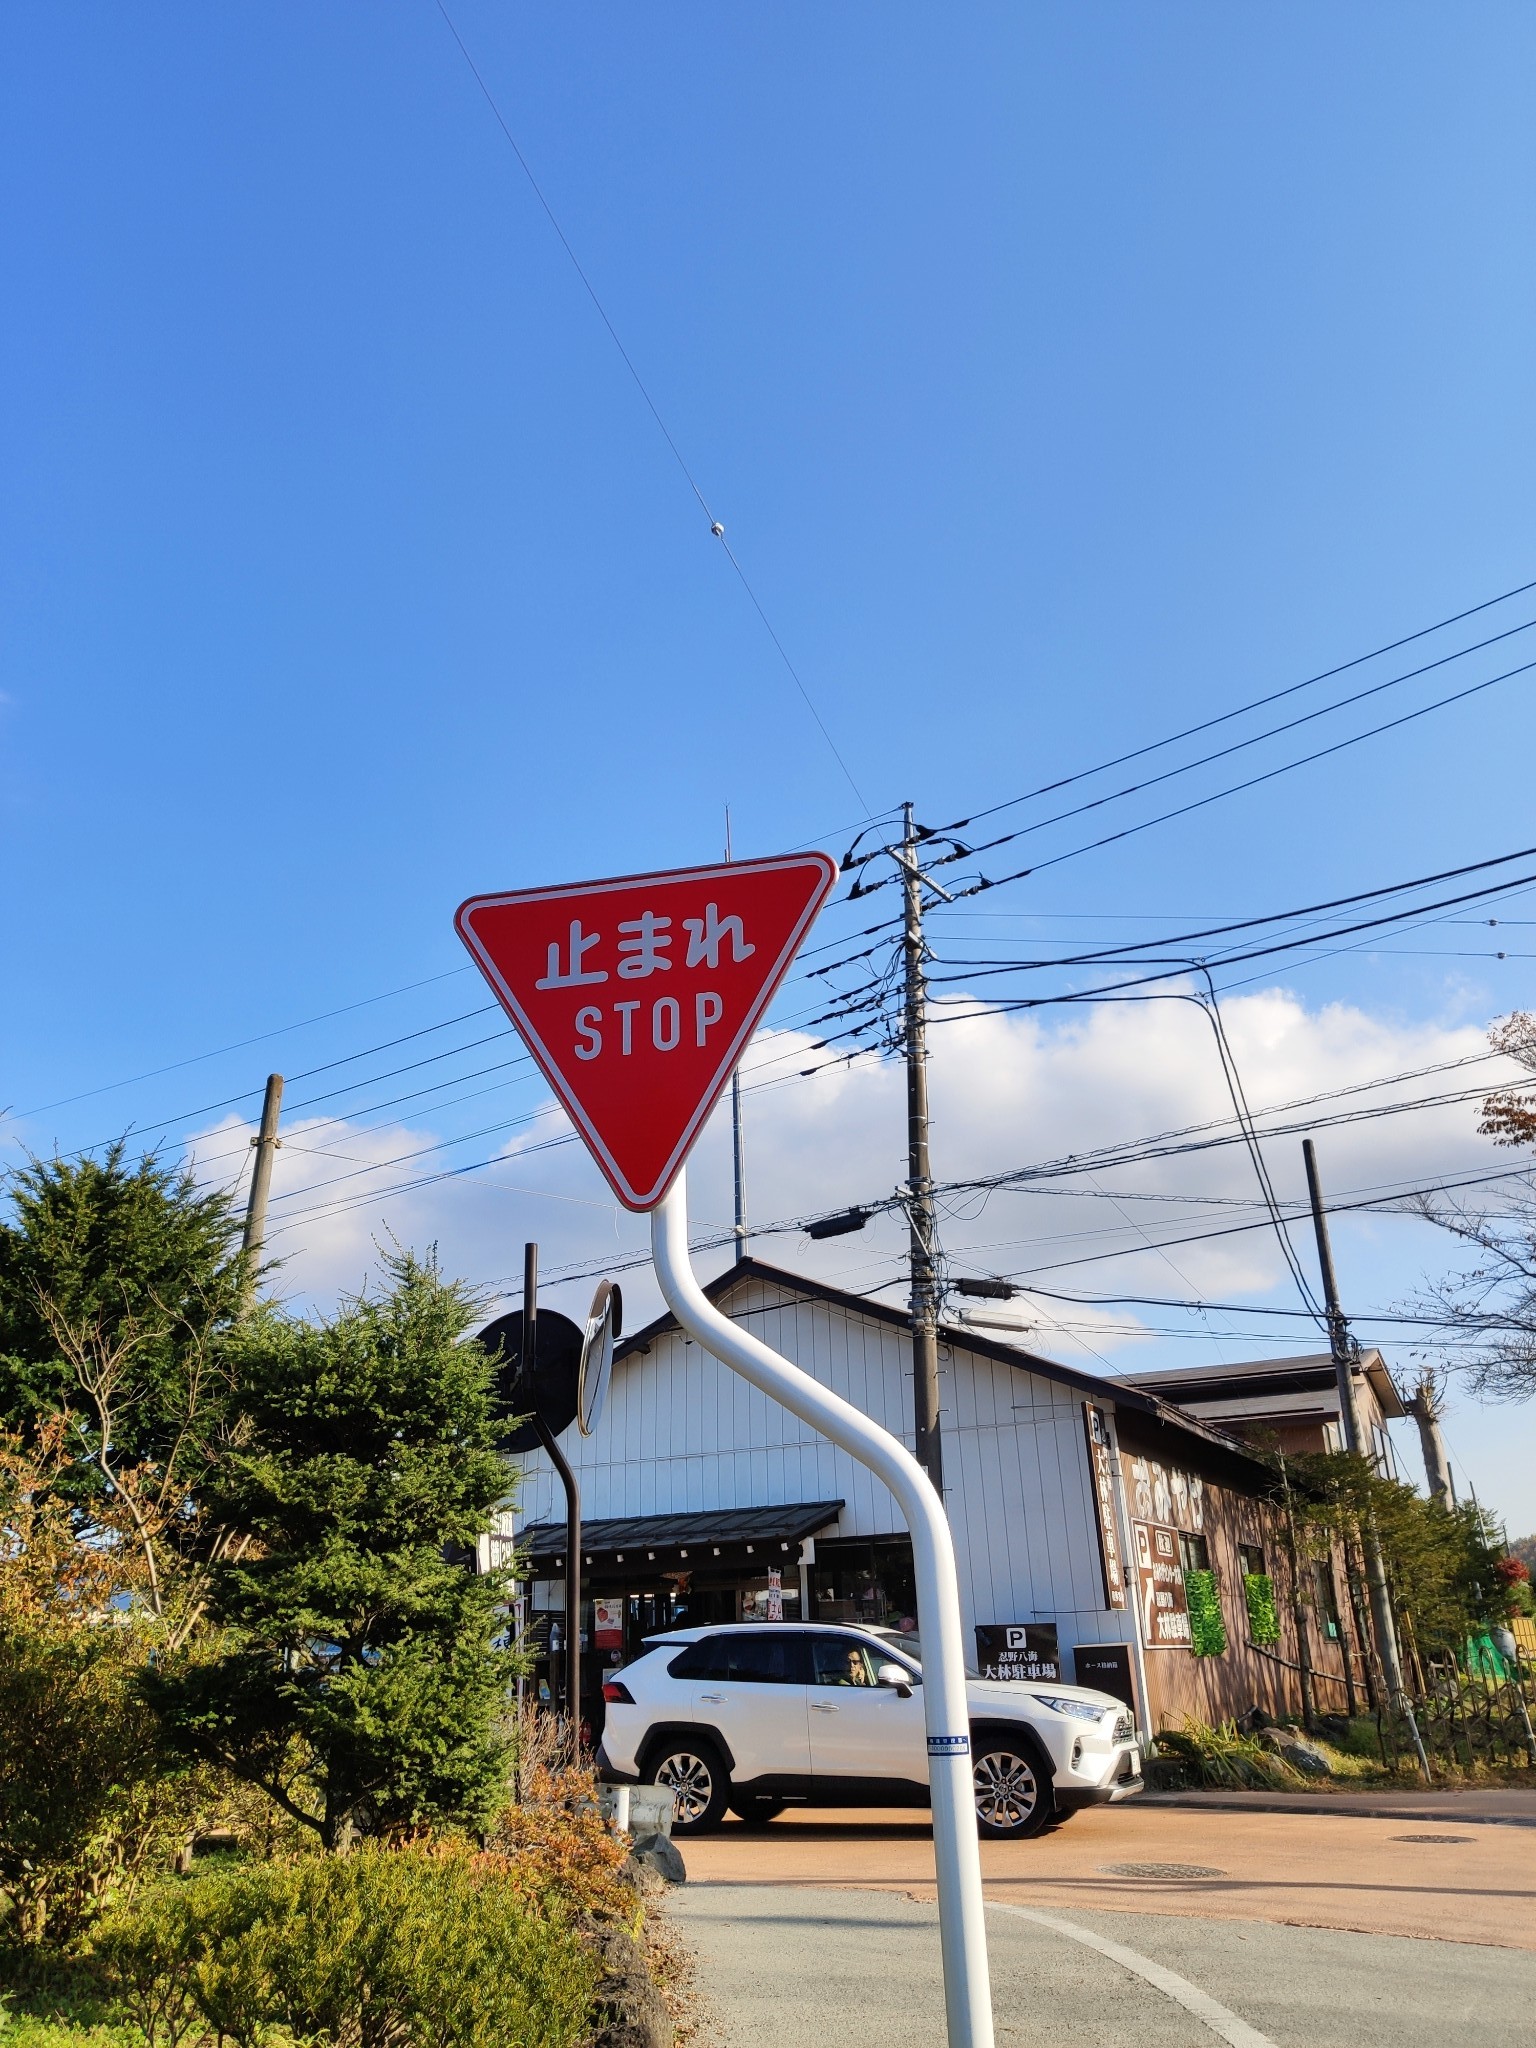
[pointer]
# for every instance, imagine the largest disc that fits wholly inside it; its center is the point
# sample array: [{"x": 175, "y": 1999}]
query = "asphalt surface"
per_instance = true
[
  {"x": 803, "y": 1966},
  {"x": 1462, "y": 1869}
]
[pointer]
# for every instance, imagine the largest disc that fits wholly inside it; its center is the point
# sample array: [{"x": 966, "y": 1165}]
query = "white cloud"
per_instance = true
[{"x": 1006, "y": 1092}]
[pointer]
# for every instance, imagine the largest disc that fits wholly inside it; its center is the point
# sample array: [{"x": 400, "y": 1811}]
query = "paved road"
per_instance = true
[
  {"x": 1321, "y": 1868},
  {"x": 797, "y": 1966}
]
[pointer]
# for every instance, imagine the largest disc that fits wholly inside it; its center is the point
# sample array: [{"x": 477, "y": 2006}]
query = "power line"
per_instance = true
[
  {"x": 1225, "y": 717},
  {"x": 715, "y": 526},
  {"x": 1237, "y": 788},
  {"x": 967, "y": 852},
  {"x": 239, "y": 1045}
]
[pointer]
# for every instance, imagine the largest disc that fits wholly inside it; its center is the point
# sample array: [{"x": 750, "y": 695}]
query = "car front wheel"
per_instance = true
[
  {"x": 694, "y": 1774},
  {"x": 1013, "y": 1796}
]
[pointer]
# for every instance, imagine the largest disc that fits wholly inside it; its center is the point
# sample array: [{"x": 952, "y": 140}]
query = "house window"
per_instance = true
[
  {"x": 1194, "y": 1553},
  {"x": 1251, "y": 1557}
]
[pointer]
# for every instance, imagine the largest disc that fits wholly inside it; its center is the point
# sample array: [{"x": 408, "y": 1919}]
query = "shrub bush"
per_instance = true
[
  {"x": 1224, "y": 1757},
  {"x": 420, "y": 1947}
]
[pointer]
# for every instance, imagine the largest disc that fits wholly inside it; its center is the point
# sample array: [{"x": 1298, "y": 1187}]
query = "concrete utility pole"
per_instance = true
[
  {"x": 1343, "y": 1348},
  {"x": 922, "y": 1226},
  {"x": 1424, "y": 1407},
  {"x": 1338, "y": 1328},
  {"x": 266, "y": 1143},
  {"x": 739, "y": 1166}
]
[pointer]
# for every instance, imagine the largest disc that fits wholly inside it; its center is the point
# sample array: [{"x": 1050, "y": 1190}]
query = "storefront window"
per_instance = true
[{"x": 865, "y": 1580}]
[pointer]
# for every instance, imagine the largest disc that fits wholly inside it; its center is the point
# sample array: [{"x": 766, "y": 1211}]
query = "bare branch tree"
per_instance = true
[
  {"x": 100, "y": 1363},
  {"x": 1492, "y": 1302}
]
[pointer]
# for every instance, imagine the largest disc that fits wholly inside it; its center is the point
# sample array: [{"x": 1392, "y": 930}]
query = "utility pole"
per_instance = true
[
  {"x": 738, "y": 1147},
  {"x": 1424, "y": 1407},
  {"x": 922, "y": 1227},
  {"x": 739, "y": 1166},
  {"x": 1338, "y": 1328},
  {"x": 266, "y": 1142},
  {"x": 1342, "y": 1346}
]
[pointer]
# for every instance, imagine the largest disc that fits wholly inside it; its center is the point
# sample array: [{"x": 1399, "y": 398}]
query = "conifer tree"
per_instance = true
[{"x": 361, "y": 1680}]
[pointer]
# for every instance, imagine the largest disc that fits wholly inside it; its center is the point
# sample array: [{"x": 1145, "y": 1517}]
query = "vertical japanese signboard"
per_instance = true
[
  {"x": 1102, "y": 1477},
  {"x": 1164, "y": 1609}
]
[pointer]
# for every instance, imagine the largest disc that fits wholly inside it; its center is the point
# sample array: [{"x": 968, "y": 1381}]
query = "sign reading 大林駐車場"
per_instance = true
[
  {"x": 637, "y": 996},
  {"x": 1018, "y": 1650}
]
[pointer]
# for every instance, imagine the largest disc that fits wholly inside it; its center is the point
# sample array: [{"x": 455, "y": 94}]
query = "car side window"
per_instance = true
[
  {"x": 704, "y": 1659},
  {"x": 838, "y": 1660},
  {"x": 762, "y": 1656},
  {"x": 768, "y": 1656}
]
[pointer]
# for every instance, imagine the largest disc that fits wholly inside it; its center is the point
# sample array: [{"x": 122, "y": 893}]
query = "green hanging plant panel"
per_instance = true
[
  {"x": 1263, "y": 1616},
  {"x": 1207, "y": 1630}
]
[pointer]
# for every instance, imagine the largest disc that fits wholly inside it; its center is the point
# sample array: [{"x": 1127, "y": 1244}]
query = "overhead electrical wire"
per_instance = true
[
  {"x": 1241, "y": 710},
  {"x": 716, "y": 526},
  {"x": 966, "y": 852}
]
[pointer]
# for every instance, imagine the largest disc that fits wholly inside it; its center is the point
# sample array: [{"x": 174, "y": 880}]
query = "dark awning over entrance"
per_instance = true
[{"x": 635, "y": 1540}]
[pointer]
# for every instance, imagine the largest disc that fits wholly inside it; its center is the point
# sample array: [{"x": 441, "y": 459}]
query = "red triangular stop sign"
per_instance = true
[{"x": 638, "y": 996}]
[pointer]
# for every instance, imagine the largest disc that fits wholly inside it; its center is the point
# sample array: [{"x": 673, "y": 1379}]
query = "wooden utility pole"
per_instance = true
[
  {"x": 266, "y": 1143},
  {"x": 1343, "y": 1348},
  {"x": 922, "y": 1226}
]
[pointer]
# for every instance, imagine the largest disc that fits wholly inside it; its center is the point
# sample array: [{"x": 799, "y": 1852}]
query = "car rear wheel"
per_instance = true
[
  {"x": 757, "y": 1813},
  {"x": 694, "y": 1774},
  {"x": 1013, "y": 1795}
]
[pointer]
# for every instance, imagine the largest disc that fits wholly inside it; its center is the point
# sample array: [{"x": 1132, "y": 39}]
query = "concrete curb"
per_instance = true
[{"x": 1335, "y": 1808}]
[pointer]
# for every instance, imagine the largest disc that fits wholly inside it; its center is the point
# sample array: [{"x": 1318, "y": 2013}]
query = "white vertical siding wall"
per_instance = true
[{"x": 682, "y": 1433}]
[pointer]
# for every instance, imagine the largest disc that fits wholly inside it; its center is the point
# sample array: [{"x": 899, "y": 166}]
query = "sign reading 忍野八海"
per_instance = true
[{"x": 637, "y": 996}]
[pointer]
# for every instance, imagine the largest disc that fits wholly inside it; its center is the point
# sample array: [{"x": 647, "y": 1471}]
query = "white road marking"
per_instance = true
[{"x": 1237, "y": 2033}]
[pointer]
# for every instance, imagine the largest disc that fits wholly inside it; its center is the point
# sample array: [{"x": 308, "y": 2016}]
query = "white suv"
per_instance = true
[{"x": 759, "y": 1716}]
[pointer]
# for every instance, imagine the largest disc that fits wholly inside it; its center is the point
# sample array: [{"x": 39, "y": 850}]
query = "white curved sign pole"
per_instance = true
[{"x": 957, "y": 1857}]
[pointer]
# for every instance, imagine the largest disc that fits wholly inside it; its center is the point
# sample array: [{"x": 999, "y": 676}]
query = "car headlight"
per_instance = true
[{"x": 1079, "y": 1710}]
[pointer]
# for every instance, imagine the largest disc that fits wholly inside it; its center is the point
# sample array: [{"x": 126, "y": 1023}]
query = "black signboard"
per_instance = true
[
  {"x": 1018, "y": 1650},
  {"x": 1106, "y": 1667}
]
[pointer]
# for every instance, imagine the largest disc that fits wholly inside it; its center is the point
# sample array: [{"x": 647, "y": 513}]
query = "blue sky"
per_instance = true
[{"x": 1062, "y": 376}]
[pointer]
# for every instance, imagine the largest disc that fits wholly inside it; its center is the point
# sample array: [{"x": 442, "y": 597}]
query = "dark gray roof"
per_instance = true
[
  {"x": 1252, "y": 1378},
  {"x": 787, "y": 1524}
]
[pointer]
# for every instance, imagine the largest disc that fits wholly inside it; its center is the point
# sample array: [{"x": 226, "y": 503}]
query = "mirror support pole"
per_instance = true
[
  {"x": 957, "y": 1857},
  {"x": 561, "y": 1464}
]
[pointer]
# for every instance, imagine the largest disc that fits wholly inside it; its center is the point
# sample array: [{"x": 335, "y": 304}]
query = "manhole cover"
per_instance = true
[
  {"x": 1161, "y": 1870},
  {"x": 1432, "y": 1838}
]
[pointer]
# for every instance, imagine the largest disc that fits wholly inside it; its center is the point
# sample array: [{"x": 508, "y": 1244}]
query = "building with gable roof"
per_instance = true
[{"x": 1088, "y": 1513}]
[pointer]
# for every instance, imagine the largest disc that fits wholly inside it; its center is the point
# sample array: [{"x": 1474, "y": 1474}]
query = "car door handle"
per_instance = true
[
  {"x": 823, "y": 1707},
  {"x": 713, "y": 1698}
]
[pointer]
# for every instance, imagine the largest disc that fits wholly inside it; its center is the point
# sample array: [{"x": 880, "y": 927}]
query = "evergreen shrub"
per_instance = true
[{"x": 419, "y": 1947}]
